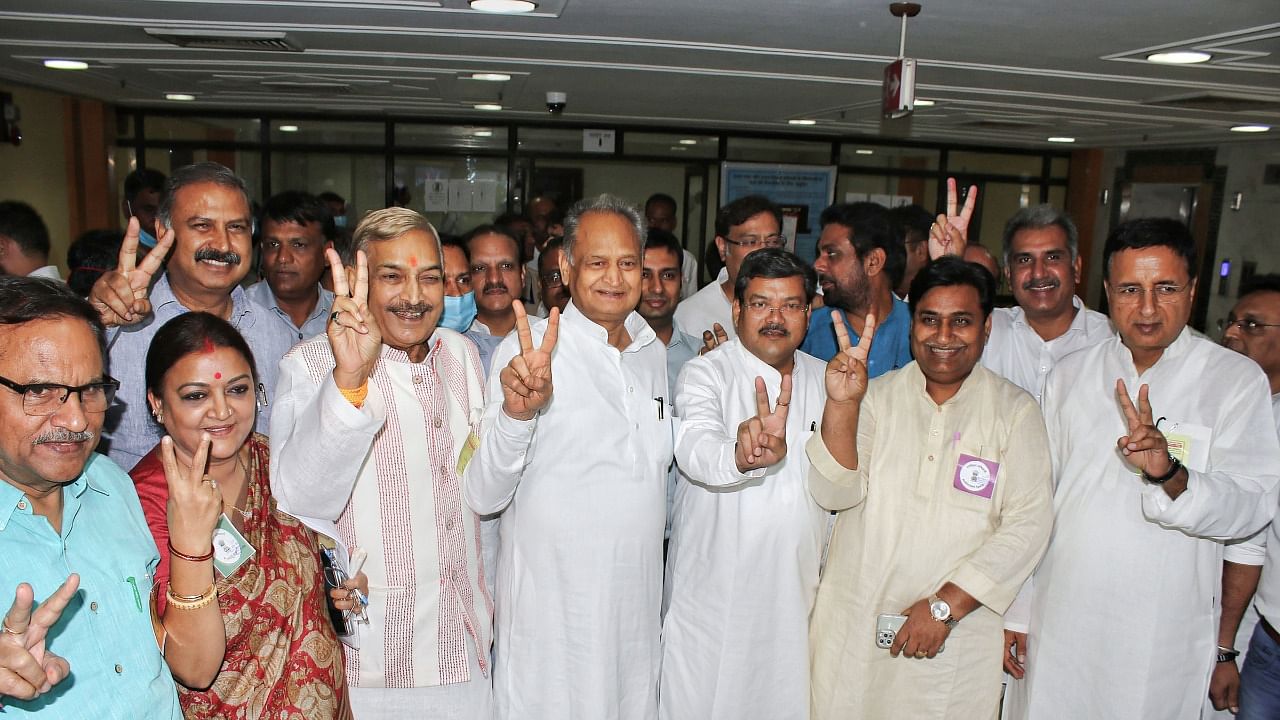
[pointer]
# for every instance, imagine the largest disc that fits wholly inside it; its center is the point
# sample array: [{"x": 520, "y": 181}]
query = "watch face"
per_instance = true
[{"x": 940, "y": 610}]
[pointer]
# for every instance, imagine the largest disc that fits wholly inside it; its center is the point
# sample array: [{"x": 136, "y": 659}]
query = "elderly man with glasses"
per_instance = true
[{"x": 1162, "y": 453}]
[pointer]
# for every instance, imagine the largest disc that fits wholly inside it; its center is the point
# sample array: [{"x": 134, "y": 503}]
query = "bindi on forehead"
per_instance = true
[
  {"x": 217, "y": 376},
  {"x": 413, "y": 261}
]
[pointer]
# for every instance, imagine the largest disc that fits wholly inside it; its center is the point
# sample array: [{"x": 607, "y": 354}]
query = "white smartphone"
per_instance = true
[{"x": 887, "y": 627}]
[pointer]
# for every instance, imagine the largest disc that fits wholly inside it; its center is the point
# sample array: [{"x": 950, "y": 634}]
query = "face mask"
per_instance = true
[
  {"x": 459, "y": 312},
  {"x": 146, "y": 238},
  {"x": 340, "y": 221}
]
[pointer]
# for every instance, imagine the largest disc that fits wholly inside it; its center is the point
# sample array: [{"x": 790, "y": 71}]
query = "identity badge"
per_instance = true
[
  {"x": 976, "y": 476},
  {"x": 468, "y": 451},
  {"x": 230, "y": 549}
]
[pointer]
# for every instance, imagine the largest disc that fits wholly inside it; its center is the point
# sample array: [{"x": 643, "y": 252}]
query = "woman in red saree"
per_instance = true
[{"x": 282, "y": 657}]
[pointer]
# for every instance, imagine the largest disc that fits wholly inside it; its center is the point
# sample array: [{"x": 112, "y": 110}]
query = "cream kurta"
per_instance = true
[
  {"x": 742, "y": 568},
  {"x": 906, "y": 529},
  {"x": 582, "y": 491},
  {"x": 1123, "y": 620}
]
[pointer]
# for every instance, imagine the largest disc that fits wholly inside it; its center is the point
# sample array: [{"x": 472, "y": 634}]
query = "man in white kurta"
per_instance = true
[
  {"x": 578, "y": 472},
  {"x": 1123, "y": 621},
  {"x": 385, "y": 469},
  {"x": 947, "y": 499},
  {"x": 746, "y": 541}
]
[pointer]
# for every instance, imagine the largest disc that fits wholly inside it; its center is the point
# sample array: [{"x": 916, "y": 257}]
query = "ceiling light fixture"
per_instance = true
[
  {"x": 504, "y": 7},
  {"x": 181, "y": 97},
  {"x": 488, "y": 106},
  {"x": 489, "y": 77},
  {"x": 66, "y": 65},
  {"x": 483, "y": 133},
  {"x": 1061, "y": 139},
  {"x": 688, "y": 141},
  {"x": 802, "y": 122},
  {"x": 1179, "y": 57},
  {"x": 864, "y": 151},
  {"x": 288, "y": 128},
  {"x": 1251, "y": 128},
  {"x": 925, "y": 103}
]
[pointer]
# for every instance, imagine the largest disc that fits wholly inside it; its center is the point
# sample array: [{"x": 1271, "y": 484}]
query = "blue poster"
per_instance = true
[{"x": 802, "y": 191}]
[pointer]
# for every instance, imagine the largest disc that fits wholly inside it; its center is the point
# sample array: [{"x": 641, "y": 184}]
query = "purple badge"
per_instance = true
[{"x": 976, "y": 476}]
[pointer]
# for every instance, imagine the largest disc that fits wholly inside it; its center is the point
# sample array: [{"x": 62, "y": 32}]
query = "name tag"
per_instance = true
[
  {"x": 976, "y": 476},
  {"x": 230, "y": 549}
]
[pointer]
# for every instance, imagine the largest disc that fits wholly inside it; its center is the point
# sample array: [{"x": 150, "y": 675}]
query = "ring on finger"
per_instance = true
[
  {"x": 9, "y": 630},
  {"x": 333, "y": 317}
]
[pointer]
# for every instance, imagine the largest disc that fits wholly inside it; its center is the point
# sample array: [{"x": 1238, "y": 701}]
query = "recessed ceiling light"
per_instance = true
[
  {"x": 1061, "y": 139},
  {"x": 925, "y": 103},
  {"x": 490, "y": 77},
  {"x": 183, "y": 97},
  {"x": 483, "y": 133},
  {"x": 802, "y": 122},
  {"x": 66, "y": 65},
  {"x": 1179, "y": 57},
  {"x": 688, "y": 141},
  {"x": 680, "y": 148},
  {"x": 1251, "y": 128},
  {"x": 506, "y": 7},
  {"x": 488, "y": 106},
  {"x": 288, "y": 128},
  {"x": 864, "y": 151}
]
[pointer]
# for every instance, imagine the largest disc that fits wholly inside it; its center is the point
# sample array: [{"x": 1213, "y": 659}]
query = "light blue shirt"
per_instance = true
[
  {"x": 130, "y": 429},
  {"x": 485, "y": 345},
  {"x": 890, "y": 349},
  {"x": 117, "y": 672},
  {"x": 316, "y": 322}
]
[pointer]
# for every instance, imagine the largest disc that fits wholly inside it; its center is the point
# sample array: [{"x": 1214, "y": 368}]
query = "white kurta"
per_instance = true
[
  {"x": 1016, "y": 352},
  {"x": 700, "y": 311},
  {"x": 742, "y": 568},
  {"x": 1123, "y": 615},
  {"x": 582, "y": 491},
  {"x": 387, "y": 475},
  {"x": 908, "y": 524}
]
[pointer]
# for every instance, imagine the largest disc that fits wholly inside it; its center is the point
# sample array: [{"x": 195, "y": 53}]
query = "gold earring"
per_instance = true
[{"x": 159, "y": 415}]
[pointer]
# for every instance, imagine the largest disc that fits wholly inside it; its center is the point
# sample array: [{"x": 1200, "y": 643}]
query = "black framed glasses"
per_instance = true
[
  {"x": 41, "y": 399},
  {"x": 752, "y": 242},
  {"x": 1248, "y": 326}
]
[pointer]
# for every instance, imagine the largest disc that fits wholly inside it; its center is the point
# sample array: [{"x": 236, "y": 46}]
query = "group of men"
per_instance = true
[{"x": 1040, "y": 487}]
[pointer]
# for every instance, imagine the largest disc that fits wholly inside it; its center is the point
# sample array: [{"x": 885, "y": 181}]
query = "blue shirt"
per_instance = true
[
  {"x": 117, "y": 672},
  {"x": 316, "y": 323},
  {"x": 890, "y": 348},
  {"x": 130, "y": 429}
]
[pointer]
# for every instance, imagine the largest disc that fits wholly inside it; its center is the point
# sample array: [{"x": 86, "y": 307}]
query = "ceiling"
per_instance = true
[{"x": 1008, "y": 72}]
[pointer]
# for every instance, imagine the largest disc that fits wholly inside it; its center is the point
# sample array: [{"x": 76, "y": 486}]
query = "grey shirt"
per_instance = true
[{"x": 316, "y": 322}]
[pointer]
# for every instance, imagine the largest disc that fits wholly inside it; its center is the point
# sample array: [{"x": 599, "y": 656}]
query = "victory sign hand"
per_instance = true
[
  {"x": 526, "y": 380},
  {"x": 195, "y": 502},
  {"x": 846, "y": 376},
  {"x": 950, "y": 233},
  {"x": 27, "y": 669},
  {"x": 762, "y": 440},
  {"x": 355, "y": 338},
  {"x": 1144, "y": 446},
  {"x": 120, "y": 295}
]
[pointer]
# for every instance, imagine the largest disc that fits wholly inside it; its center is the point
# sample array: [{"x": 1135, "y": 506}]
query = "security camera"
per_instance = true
[{"x": 556, "y": 102}]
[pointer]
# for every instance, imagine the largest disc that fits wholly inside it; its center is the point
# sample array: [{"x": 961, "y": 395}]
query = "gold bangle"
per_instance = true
[
  {"x": 192, "y": 602},
  {"x": 356, "y": 396}
]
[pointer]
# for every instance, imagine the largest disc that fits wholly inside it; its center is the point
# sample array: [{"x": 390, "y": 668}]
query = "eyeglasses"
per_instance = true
[
  {"x": 1133, "y": 294},
  {"x": 551, "y": 279},
  {"x": 41, "y": 399},
  {"x": 751, "y": 242},
  {"x": 334, "y": 577},
  {"x": 790, "y": 310},
  {"x": 1248, "y": 326}
]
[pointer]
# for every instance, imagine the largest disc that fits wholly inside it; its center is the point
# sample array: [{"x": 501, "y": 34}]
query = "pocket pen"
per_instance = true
[{"x": 357, "y": 562}]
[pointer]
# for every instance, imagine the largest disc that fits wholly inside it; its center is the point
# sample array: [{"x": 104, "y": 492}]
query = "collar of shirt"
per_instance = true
[
  {"x": 1176, "y": 349},
  {"x": 1078, "y": 323},
  {"x": 390, "y": 354},
  {"x": 48, "y": 271},
  {"x": 680, "y": 337},
  {"x": 166, "y": 305},
  {"x": 261, "y": 293},
  {"x": 977, "y": 377},
  {"x": 10, "y": 495},
  {"x": 639, "y": 330},
  {"x": 753, "y": 365}
]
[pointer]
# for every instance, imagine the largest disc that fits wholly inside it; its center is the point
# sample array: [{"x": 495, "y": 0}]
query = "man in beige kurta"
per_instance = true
[{"x": 945, "y": 512}]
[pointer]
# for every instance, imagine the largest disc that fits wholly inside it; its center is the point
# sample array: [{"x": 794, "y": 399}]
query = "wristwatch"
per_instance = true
[
  {"x": 941, "y": 611},
  {"x": 1174, "y": 466}
]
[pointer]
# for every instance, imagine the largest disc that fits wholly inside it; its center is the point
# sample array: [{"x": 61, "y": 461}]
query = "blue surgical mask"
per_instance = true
[
  {"x": 340, "y": 221},
  {"x": 459, "y": 312},
  {"x": 146, "y": 238}
]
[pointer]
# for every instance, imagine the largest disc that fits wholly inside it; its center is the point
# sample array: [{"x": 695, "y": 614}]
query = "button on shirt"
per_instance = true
[
  {"x": 890, "y": 350},
  {"x": 117, "y": 672},
  {"x": 132, "y": 430},
  {"x": 315, "y": 323},
  {"x": 1016, "y": 351}
]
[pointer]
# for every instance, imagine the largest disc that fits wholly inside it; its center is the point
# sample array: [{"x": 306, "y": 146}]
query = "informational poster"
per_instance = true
[
  {"x": 804, "y": 191},
  {"x": 436, "y": 195}
]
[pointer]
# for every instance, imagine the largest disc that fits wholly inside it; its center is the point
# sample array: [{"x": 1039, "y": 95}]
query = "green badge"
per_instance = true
[{"x": 230, "y": 549}]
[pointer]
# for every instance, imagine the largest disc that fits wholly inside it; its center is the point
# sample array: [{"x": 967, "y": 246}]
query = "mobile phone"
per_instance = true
[{"x": 887, "y": 627}]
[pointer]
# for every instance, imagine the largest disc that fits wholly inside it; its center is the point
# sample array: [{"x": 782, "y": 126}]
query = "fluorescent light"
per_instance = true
[
  {"x": 1251, "y": 128},
  {"x": 680, "y": 148},
  {"x": 288, "y": 128},
  {"x": 1179, "y": 57},
  {"x": 179, "y": 96},
  {"x": 483, "y": 133},
  {"x": 925, "y": 103},
  {"x": 506, "y": 7},
  {"x": 488, "y": 106},
  {"x": 688, "y": 141},
  {"x": 1061, "y": 139},
  {"x": 864, "y": 151},
  {"x": 802, "y": 122},
  {"x": 66, "y": 65},
  {"x": 490, "y": 77}
]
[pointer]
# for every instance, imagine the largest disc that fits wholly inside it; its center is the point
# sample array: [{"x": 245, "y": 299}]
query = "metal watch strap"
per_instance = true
[
  {"x": 1174, "y": 466},
  {"x": 951, "y": 620}
]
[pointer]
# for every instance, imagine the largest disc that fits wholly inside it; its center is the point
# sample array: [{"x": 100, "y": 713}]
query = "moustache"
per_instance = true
[
  {"x": 404, "y": 307},
  {"x": 207, "y": 253},
  {"x": 62, "y": 435},
  {"x": 775, "y": 327},
  {"x": 1041, "y": 283},
  {"x": 495, "y": 286}
]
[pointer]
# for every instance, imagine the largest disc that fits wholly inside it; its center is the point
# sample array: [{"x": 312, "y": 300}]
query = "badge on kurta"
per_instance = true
[
  {"x": 976, "y": 476},
  {"x": 230, "y": 549},
  {"x": 468, "y": 451}
]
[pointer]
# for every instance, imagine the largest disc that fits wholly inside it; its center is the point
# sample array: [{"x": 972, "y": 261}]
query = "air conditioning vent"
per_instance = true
[
  {"x": 1218, "y": 102},
  {"x": 308, "y": 88},
  {"x": 997, "y": 125},
  {"x": 228, "y": 40}
]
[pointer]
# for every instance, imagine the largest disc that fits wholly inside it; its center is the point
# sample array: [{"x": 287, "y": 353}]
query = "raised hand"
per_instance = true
[
  {"x": 1145, "y": 447},
  {"x": 27, "y": 668},
  {"x": 762, "y": 439},
  {"x": 526, "y": 380},
  {"x": 355, "y": 339},
  {"x": 713, "y": 338},
  {"x": 120, "y": 295},
  {"x": 846, "y": 377},
  {"x": 950, "y": 232},
  {"x": 195, "y": 503}
]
